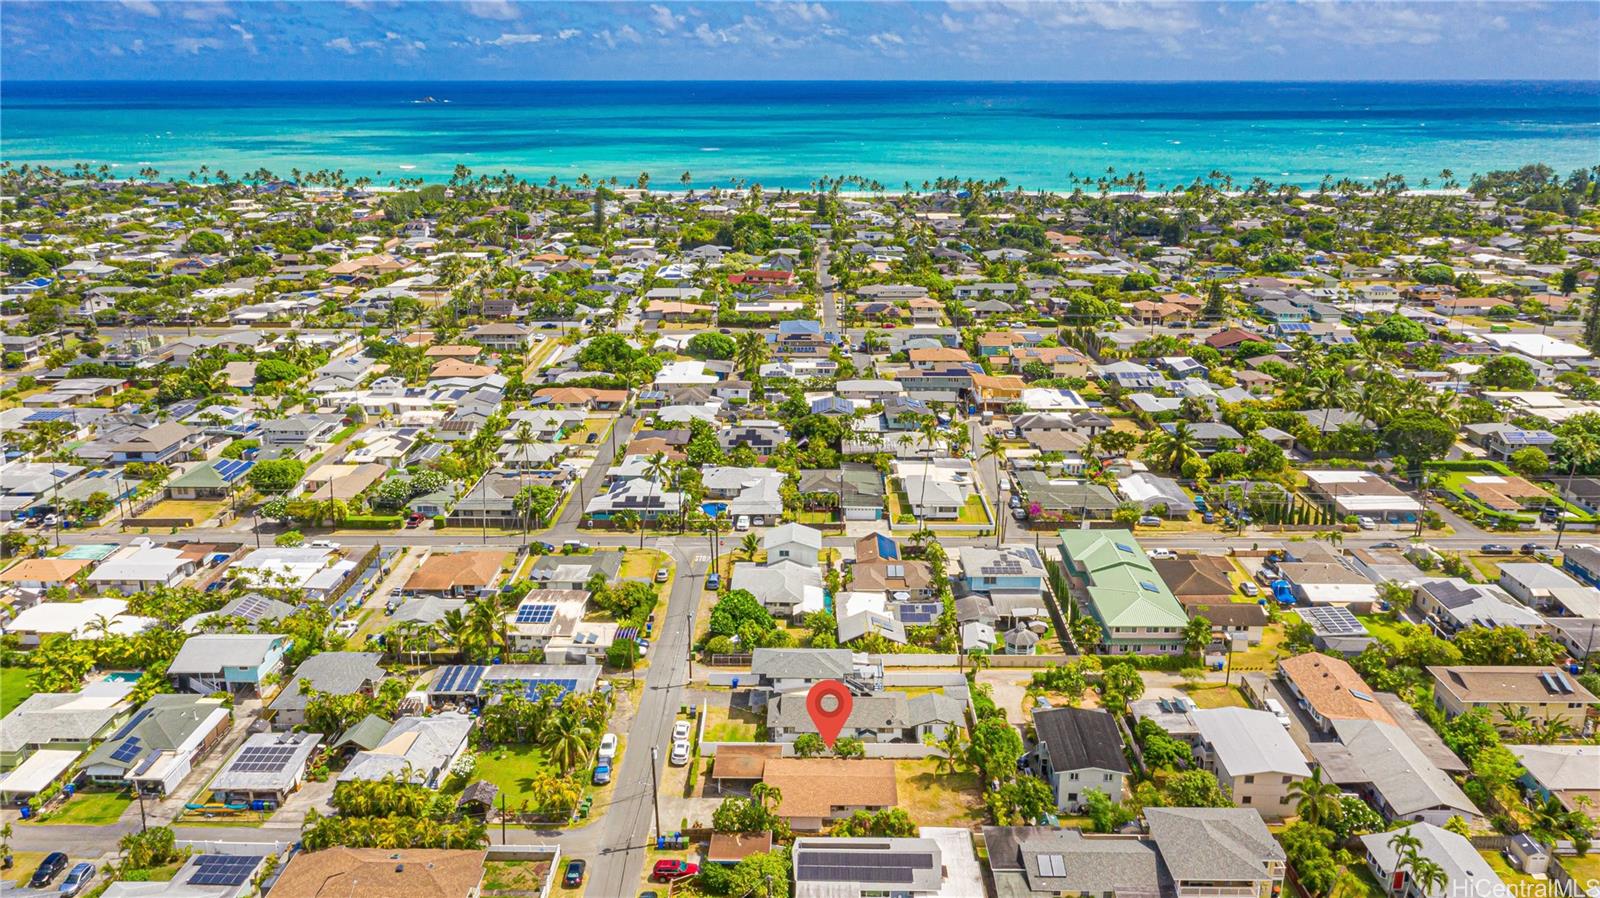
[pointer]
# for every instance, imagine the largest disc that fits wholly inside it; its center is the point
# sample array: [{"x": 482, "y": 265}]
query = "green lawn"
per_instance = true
[
  {"x": 973, "y": 512},
  {"x": 1216, "y": 696},
  {"x": 92, "y": 808},
  {"x": 1381, "y": 627},
  {"x": 511, "y": 768},
  {"x": 16, "y": 684},
  {"x": 726, "y": 725}
]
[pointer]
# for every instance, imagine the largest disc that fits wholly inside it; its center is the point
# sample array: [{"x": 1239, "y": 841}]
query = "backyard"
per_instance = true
[
  {"x": 511, "y": 769},
  {"x": 941, "y": 799},
  {"x": 1215, "y": 695},
  {"x": 724, "y": 724},
  {"x": 16, "y": 684}
]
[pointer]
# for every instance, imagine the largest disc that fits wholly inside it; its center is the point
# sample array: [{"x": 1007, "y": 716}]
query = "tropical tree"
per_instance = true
[
  {"x": 995, "y": 448},
  {"x": 1173, "y": 446},
  {"x": 1316, "y": 801}
]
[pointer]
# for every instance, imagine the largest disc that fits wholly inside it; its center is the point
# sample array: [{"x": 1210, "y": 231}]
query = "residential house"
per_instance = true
[
  {"x": 880, "y": 717},
  {"x": 383, "y": 873},
  {"x": 1253, "y": 757},
  {"x": 1466, "y": 871},
  {"x": 1568, "y": 773},
  {"x": 457, "y": 574},
  {"x": 62, "y": 721},
  {"x": 859, "y": 867},
  {"x": 419, "y": 750},
  {"x": 1542, "y": 693},
  {"x": 1328, "y": 689},
  {"x": 1078, "y": 749},
  {"x": 267, "y": 768},
  {"x": 156, "y": 749},
  {"x": 227, "y": 662},
  {"x": 331, "y": 673},
  {"x": 817, "y": 792},
  {"x": 795, "y": 542},
  {"x": 1115, "y": 581}
]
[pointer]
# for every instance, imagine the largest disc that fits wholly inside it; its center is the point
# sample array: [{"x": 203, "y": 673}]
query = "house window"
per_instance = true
[
  {"x": 1245, "y": 800},
  {"x": 1073, "y": 777},
  {"x": 1250, "y": 778}
]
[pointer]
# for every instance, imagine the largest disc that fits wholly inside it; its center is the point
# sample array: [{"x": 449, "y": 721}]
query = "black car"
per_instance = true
[
  {"x": 1531, "y": 548},
  {"x": 49, "y": 869},
  {"x": 1385, "y": 545},
  {"x": 574, "y": 875},
  {"x": 1496, "y": 549}
]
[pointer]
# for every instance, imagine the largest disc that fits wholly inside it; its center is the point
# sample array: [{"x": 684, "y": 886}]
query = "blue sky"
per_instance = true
[{"x": 971, "y": 39}]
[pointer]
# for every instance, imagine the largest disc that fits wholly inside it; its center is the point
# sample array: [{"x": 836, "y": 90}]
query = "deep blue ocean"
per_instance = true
[{"x": 787, "y": 134}]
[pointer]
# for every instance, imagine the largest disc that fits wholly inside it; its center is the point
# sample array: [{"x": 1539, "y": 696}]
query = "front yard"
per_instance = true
[
  {"x": 90, "y": 809},
  {"x": 194, "y": 510}
]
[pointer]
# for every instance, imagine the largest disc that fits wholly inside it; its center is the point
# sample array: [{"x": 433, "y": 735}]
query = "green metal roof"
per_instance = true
[{"x": 1123, "y": 586}]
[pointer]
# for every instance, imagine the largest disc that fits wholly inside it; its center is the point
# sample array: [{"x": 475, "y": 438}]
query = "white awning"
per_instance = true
[{"x": 40, "y": 770}]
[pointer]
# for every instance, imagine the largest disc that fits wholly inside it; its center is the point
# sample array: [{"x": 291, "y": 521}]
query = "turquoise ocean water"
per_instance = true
[{"x": 786, "y": 134}]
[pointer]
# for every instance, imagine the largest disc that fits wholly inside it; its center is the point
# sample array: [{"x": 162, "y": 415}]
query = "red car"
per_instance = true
[
  {"x": 667, "y": 871},
  {"x": 414, "y": 520}
]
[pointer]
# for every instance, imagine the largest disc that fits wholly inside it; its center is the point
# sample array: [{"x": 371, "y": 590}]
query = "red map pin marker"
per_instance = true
[{"x": 829, "y": 705}]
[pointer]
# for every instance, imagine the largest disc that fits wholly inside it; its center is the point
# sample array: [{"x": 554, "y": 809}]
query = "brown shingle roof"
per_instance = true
[
  {"x": 730, "y": 848},
  {"x": 381, "y": 873},
  {"x": 743, "y": 762},
  {"x": 44, "y": 570},
  {"x": 814, "y": 787},
  {"x": 465, "y": 569},
  {"x": 1327, "y": 683}
]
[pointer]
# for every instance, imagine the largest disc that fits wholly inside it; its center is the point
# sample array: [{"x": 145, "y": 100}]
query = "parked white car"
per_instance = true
[
  {"x": 680, "y": 731},
  {"x": 680, "y": 753},
  {"x": 608, "y": 747}
]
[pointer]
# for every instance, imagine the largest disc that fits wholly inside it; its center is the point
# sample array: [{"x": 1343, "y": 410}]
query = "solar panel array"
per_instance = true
[
  {"x": 132, "y": 722},
  {"x": 223, "y": 869},
  {"x": 232, "y": 469},
  {"x": 921, "y": 613},
  {"x": 1334, "y": 621},
  {"x": 252, "y": 607},
  {"x": 263, "y": 758},
  {"x": 861, "y": 866},
  {"x": 459, "y": 678},
  {"x": 50, "y": 414},
  {"x": 566, "y": 686},
  {"x": 127, "y": 751},
  {"x": 536, "y": 614}
]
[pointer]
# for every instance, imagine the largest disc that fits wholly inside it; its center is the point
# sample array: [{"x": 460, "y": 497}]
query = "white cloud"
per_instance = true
[
  {"x": 624, "y": 35},
  {"x": 499, "y": 10},
  {"x": 340, "y": 43},
  {"x": 711, "y": 37},
  {"x": 142, "y": 7},
  {"x": 513, "y": 40},
  {"x": 244, "y": 35},
  {"x": 567, "y": 34},
  {"x": 204, "y": 12},
  {"x": 193, "y": 45},
  {"x": 664, "y": 19},
  {"x": 799, "y": 12},
  {"x": 887, "y": 40}
]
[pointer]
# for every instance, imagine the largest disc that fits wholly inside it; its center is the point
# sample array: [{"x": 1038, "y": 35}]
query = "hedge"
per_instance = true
[{"x": 373, "y": 522}]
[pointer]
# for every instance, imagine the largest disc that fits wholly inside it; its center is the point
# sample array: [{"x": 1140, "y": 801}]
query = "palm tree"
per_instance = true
[
  {"x": 1430, "y": 877},
  {"x": 750, "y": 545},
  {"x": 750, "y": 353},
  {"x": 929, "y": 435},
  {"x": 456, "y": 630},
  {"x": 761, "y": 794},
  {"x": 567, "y": 739},
  {"x": 1314, "y": 800},
  {"x": 995, "y": 448},
  {"x": 1172, "y": 448},
  {"x": 628, "y": 519},
  {"x": 655, "y": 469}
]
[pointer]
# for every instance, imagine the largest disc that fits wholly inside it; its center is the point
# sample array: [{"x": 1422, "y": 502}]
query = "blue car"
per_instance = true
[
  {"x": 713, "y": 581},
  {"x": 602, "y": 773}
]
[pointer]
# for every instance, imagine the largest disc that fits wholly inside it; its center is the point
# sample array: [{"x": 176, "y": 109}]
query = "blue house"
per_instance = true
[
  {"x": 227, "y": 662},
  {"x": 1009, "y": 570}
]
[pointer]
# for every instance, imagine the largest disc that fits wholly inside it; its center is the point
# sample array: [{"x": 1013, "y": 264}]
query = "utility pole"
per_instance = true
[
  {"x": 138, "y": 790},
  {"x": 655, "y": 789},
  {"x": 502, "y": 818}
]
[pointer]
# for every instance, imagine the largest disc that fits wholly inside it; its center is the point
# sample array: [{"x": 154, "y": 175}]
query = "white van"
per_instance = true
[
  {"x": 1276, "y": 707},
  {"x": 742, "y": 523}
]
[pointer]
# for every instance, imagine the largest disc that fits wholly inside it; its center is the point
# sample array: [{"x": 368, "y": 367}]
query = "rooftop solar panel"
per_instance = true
[
  {"x": 536, "y": 614},
  {"x": 223, "y": 869},
  {"x": 127, "y": 751}
]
